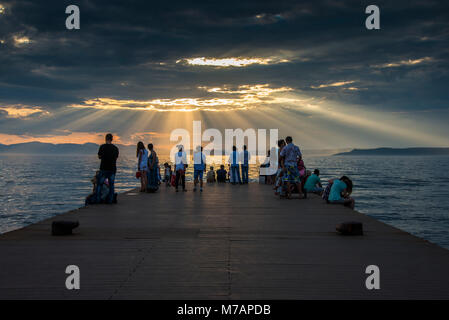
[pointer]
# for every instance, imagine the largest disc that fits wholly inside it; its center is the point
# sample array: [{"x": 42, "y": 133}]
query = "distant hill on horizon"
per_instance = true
[
  {"x": 422, "y": 151},
  {"x": 50, "y": 148}
]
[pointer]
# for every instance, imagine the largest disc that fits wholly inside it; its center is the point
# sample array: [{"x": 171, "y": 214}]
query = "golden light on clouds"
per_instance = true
[
  {"x": 409, "y": 62},
  {"x": 21, "y": 40},
  {"x": 2, "y": 9},
  {"x": 334, "y": 84},
  {"x": 22, "y": 111},
  {"x": 244, "y": 97},
  {"x": 231, "y": 62}
]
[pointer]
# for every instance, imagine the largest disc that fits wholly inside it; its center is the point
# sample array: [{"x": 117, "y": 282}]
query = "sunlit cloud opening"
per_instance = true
[
  {"x": 2, "y": 9},
  {"x": 231, "y": 62},
  {"x": 401, "y": 63},
  {"x": 22, "y": 111},
  {"x": 334, "y": 84},
  {"x": 21, "y": 40}
]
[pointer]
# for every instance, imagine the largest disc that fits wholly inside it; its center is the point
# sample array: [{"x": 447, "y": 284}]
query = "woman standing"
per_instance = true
[
  {"x": 142, "y": 165},
  {"x": 153, "y": 180}
]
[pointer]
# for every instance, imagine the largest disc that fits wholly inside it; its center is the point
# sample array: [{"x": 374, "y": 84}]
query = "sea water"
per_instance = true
[{"x": 411, "y": 193}]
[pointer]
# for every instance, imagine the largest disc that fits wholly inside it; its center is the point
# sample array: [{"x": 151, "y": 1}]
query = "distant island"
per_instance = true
[
  {"x": 397, "y": 152},
  {"x": 50, "y": 148}
]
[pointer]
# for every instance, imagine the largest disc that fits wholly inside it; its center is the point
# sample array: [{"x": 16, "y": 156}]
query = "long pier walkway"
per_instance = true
[{"x": 229, "y": 242}]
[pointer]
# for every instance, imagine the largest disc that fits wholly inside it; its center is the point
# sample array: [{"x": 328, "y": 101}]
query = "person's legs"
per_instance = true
[
  {"x": 201, "y": 179},
  {"x": 246, "y": 174},
  {"x": 349, "y": 203},
  {"x": 289, "y": 190},
  {"x": 242, "y": 167},
  {"x": 301, "y": 191},
  {"x": 196, "y": 174},
  {"x": 100, "y": 181},
  {"x": 237, "y": 171},
  {"x": 178, "y": 176},
  {"x": 144, "y": 180},
  {"x": 183, "y": 180},
  {"x": 111, "y": 188}
]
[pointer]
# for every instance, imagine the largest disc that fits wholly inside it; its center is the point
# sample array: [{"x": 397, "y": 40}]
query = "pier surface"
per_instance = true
[{"x": 229, "y": 242}]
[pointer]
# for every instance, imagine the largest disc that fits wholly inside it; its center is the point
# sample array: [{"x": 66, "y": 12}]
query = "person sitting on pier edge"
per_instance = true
[
  {"x": 245, "y": 158},
  {"x": 180, "y": 168},
  {"x": 142, "y": 165},
  {"x": 221, "y": 174},
  {"x": 234, "y": 160},
  {"x": 340, "y": 192},
  {"x": 108, "y": 154},
  {"x": 266, "y": 164},
  {"x": 199, "y": 166},
  {"x": 289, "y": 162},
  {"x": 313, "y": 183},
  {"x": 210, "y": 175}
]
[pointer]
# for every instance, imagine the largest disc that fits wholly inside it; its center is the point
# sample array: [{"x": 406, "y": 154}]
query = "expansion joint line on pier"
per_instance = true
[
  {"x": 145, "y": 253},
  {"x": 228, "y": 263}
]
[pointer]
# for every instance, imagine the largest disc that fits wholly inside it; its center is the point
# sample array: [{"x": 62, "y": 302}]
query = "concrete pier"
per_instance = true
[{"x": 229, "y": 242}]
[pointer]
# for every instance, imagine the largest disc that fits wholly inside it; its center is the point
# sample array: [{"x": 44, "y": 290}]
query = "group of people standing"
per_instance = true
[{"x": 291, "y": 176}]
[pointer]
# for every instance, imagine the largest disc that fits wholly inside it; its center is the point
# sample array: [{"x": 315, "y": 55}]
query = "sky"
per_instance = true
[{"x": 310, "y": 69}]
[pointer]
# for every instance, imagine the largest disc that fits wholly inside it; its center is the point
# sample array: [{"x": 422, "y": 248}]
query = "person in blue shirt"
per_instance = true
[
  {"x": 180, "y": 168},
  {"x": 234, "y": 160},
  {"x": 313, "y": 183},
  {"x": 199, "y": 166},
  {"x": 340, "y": 192},
  {"x": 245, "y": 158}
]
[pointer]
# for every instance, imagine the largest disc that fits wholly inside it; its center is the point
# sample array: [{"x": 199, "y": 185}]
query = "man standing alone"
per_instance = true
[
  {"x": 108, "y": 153},
  {"x": 245, "y": 158},
  {"x": 234, "y": 160},
  {"x": 199, "y": 166}
]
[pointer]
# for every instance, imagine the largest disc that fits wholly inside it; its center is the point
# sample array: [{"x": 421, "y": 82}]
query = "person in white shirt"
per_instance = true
[
  {"x": 234, "y": 160},
  {"x": 142, "y": 165},
  {"x": 180, "y": 168},
  {"x": 199, "y": 166}
]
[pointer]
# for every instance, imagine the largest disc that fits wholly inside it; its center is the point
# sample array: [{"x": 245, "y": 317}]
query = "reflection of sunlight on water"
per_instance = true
[{"x": 402, "y": 191}]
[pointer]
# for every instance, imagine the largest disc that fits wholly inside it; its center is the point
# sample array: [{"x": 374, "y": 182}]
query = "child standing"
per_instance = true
[{"x": 167, "y": 174}]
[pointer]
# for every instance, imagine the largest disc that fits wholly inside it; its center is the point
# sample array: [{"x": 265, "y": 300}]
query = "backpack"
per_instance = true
[{"x": 327, "y": 191}]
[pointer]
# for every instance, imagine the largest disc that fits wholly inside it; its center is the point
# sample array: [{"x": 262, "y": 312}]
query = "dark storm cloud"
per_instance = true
[{"x": 118, "y": 51}]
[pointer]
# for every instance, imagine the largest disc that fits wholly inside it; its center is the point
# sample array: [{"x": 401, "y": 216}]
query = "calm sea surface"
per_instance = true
[{"x": 411, "y": 193}]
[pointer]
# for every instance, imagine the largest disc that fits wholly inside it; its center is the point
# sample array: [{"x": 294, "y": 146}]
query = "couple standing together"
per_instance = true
[
  {"x": 148, "y": 168},
  {"x": 199, "y": 167},
  {"x": 237, "y": 159}
]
